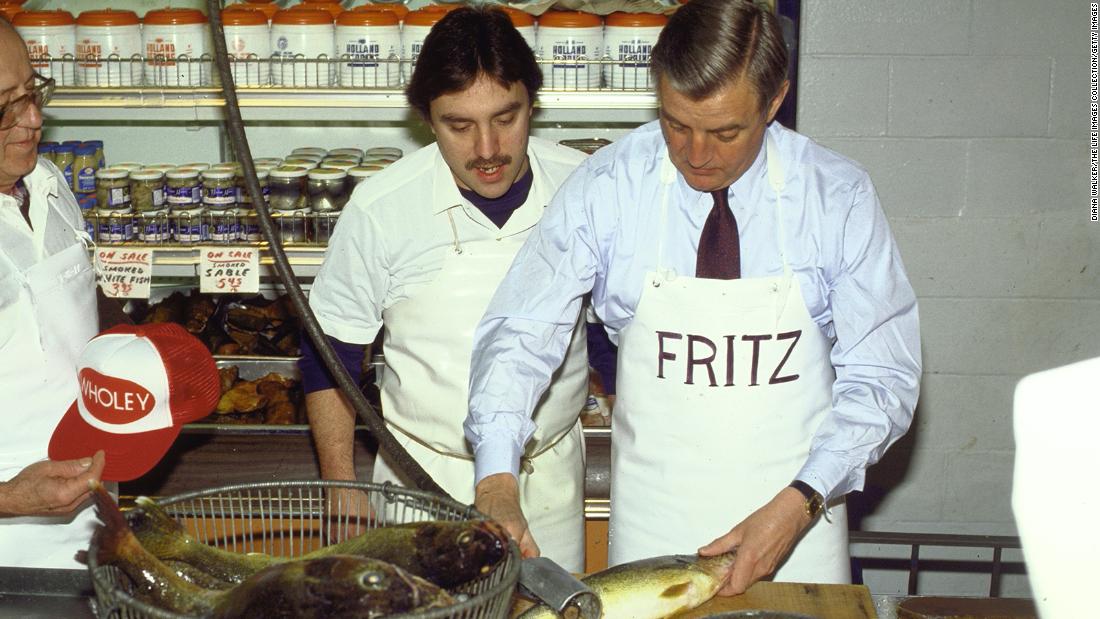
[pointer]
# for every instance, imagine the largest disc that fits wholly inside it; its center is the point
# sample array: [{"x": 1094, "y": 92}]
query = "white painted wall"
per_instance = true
[{"x": 971, "y": 116}]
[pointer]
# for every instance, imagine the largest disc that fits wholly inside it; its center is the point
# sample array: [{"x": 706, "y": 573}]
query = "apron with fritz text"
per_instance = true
[{"x": 722, "y": 385}]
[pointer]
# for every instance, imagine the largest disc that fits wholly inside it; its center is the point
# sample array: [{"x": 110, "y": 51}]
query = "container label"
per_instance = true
[
  {"x": 635, "y": 54},
  {"x": 114, "y": 229},
  {"x": 219, "y": 196},
  {"x": 124, "y": 274},
  {"x": 229, "y": 269},
  {"x": 190, "y": 194},
  {"x": 85, "y": 180},
  {"x": 118, "y": 197}
]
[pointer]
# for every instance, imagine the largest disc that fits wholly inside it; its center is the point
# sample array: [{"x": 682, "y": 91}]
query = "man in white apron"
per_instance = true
[
  {"x": 421, "y": 247},
  {"x": 769, "y": 341},
  {"x": 47, "y": 314}
]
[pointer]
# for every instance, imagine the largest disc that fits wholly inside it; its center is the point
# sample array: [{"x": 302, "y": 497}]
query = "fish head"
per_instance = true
[{"x": 456, "y": 552}]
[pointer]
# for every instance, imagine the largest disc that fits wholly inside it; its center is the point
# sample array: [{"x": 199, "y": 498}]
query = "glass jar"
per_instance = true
[
  {"x": 361, "y": 173},
  {"x": 150, "y": 210},
  {"x": 114, "y": 212},
  {"x": 63, "y": 157},
  {"x": 98, "y": 144},
  {"x": 246, "y": 211},
  {"x": 198, "y": 165},
  {"x": 184, "y": 190},
  {"x": 219, "y": 198},
  {"x": 85, "y": 165},
  {"x": 328, "y": 193},
  {"x": 287, "y": 185},
  {"x": 189, "y": 224}
]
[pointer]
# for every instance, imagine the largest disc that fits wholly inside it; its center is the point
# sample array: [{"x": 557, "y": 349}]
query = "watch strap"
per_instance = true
[{"x": 814, "y": 501}]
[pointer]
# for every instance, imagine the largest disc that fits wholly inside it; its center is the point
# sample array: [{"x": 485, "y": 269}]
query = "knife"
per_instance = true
[{"x": 552, "y": 585}]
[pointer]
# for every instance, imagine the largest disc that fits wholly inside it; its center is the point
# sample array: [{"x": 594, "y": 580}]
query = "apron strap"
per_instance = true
[
  {"x": 668, "y": 177},
  {"x": 777, "y": 180},
  {"x": 454, "y": 230},
  {"x": 526, "y": 463}
]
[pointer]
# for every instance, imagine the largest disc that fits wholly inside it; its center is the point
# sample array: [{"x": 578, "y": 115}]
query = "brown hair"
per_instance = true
[
  {"x": 709, "y": 43},
  {"x": 467, "y": 42}
]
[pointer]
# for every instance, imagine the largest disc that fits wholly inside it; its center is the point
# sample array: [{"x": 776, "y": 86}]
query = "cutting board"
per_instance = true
[{"x": 818, "y": 601}]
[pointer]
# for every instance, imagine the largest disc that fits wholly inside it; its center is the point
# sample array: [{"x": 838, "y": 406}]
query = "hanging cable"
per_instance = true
[{"x": 400, "y": 458}]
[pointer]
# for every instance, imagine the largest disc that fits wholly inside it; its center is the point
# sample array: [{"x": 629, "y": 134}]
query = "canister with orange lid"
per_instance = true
[
  {"x": 108, "y": 48},
  {"x": 174, "y": 42},
  {"x": 566, "y": 39},
  {"x": 629, "y": 39},
  {"x": 332, "y": 6},
  {"x": 418, "y": 24},
  {"x": 369, "y": 45},
  {"x": 303, "y": 48},
  {"x": 10, "y": 9},
  {"x": 248, "y": 41},
  {"x": 267, "y": 7},
  {"x": 395, "y": 7},
  {"x": 50, "y": 37},
  {"x": 524, "y": 22}
]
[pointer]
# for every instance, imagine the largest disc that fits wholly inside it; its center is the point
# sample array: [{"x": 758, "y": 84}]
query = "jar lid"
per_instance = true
[
  {"x": 520, "y": 19},
  {"x": 146, "y": 175},
  {"x": 43, "y": 18},
  {"x": 289, "y": 171},
  {"x": 398, "y": 9},
  {"x": 65, "y": 148},
  {"x": 428, "y": 15},
  {"x": 243, "y": 15},
  {"x": 183, "y": 173},
  {"x": 46, "y": 147},
  {"x": 129, "y": 165},
  {"x": 385, "y": 151},
  {"x": 9, "y": 11},
  {"x": 172, "y": 16},
  {"x": 85, "y": 149},
  {"x": 214, "y": 174},
  {"x": 367, "y": 18},
  {"x": 98, "y": 143},
  {"x": 365, "y": 170},
  {"x": 107, "y": 17},
  {"x": 379, "y": 159},
  {"x": 622, "y": 19},
  {"x": 308, "y": 150},
  {"x": 302, "y": 162},
  {"x": 163, "y": 167},
  {"x": 302, "y": 17},
  {"x": 267, "y": 7},
  {"x": 198, "y": 165},
  {"x": 231, "y": 166},
  {"x": 569, "y": 19},
  {"x": 266, "y": 160},
  {"x": 327, "y": 174},
  {"x": 358, "y": 152},
  {"x": 330, "y": 6},
  {"x": 340, "y": 165},
  {"x": 262, "y": 172},
  {"x": 111, "y": 173}
]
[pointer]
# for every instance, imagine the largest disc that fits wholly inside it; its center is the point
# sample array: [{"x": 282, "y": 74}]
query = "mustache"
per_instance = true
[{"x": 502, "y": 160}]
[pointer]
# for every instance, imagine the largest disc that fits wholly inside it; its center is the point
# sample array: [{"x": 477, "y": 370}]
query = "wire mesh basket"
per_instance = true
[{"x": 292, "y": 518}]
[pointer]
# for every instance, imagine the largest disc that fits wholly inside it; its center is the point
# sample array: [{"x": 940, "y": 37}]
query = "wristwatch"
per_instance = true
[{"x": 814, "y": 501}]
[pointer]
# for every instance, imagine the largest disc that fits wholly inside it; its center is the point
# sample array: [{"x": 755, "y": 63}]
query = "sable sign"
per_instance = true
[
  {"x": 229, "y": 269},
  {"x": 123, "y": 273}
]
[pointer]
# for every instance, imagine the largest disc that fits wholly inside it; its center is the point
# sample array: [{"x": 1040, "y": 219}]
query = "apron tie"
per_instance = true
[{"x": 526, "y": 461}]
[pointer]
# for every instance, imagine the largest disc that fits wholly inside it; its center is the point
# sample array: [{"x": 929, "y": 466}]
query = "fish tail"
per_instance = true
[{"x": 115, "y": 534}]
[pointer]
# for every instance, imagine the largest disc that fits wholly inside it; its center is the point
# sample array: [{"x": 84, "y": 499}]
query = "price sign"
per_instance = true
[
  {"x": 229, "y": 269},
  {"x": 124, "y": 273}
]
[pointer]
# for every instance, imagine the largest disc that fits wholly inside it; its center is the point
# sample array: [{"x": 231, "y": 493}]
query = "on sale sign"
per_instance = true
[
  {"x": 124, "y": 273},
  {"x": 229, "y": 269}
]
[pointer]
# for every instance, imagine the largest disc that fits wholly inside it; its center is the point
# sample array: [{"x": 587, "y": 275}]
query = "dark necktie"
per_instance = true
[
  {"x": 24, "y": 196},
  {"x": 719, "y": 246}
]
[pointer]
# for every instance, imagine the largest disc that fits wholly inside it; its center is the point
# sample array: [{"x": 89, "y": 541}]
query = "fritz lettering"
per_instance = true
[{"x": 705, "y": 359}]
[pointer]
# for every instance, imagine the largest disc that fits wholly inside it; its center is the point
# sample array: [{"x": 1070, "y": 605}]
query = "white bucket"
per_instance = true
[
  {"x": 249, "y": 47},
  {"x": 568, "y": 48},
  {"x": 47, "y": 47},
  {"x": 176, "y": 55},
  {"x": 360, "y": 49},
  {"x": 631, "y": 49},
  {"x": 108, "y": 55},
  {"x": 302, "y": 55}
]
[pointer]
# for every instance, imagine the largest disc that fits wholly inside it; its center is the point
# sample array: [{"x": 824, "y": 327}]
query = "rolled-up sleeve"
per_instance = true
[
  {"x": 523, "y": 336},
  {"x": 877, "y": 354},
  {"x": 351, "y": 285}
]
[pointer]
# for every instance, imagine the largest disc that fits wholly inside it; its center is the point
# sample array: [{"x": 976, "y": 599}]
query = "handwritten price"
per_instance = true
[
  {"x": 121, "y": 289},
  {"x": 229, "y": 284}
]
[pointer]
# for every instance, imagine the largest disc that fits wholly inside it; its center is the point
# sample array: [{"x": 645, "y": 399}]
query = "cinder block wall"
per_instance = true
[{"x": 972, "y": 118}]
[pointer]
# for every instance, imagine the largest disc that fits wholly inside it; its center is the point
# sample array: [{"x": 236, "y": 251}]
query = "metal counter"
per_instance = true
[{"x": 33, "y": 593}]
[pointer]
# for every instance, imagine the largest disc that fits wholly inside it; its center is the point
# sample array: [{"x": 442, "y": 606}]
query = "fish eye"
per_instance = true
[
  {"x": 465, "y": 538},
  {"x": 372, "y": 579}
]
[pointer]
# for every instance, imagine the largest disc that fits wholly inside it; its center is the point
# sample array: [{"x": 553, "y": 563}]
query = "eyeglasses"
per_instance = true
[{"x": 40, "y": 94}]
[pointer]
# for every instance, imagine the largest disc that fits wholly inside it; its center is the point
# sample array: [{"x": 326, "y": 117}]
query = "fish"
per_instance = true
[
  {"x": 335, "y": 586},
  {"x": 652, "y": 588},
  {"x": 446, "y": 553}
]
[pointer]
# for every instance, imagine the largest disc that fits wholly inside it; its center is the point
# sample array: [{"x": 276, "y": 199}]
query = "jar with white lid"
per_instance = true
[
  {"x": 108, "y": 48},
  {"x": 219, "y": 198},
  {"x": 248, "y": 41},
  {"x": 114, "y": 211},
  {"x": 130, "y": 165},
  {"x": 184, "y": 189},
  {"x": 566, "y": 39},
  {"x": 249, "y": 229},
  {"x": 361, "y": 173},
  {"x": 289, "y": 202},
  {"x": 150, "y": 209},
  {"x": 303, "y": 47},
  {"x": 328, "y": 193},
  {"x": 629, "y": 39},
  {"x": 50, "y": 37},
  {"x": 418, "y": 24},
  {"x": 174, "y": 41},
  {"x": 369, "y": 46}
]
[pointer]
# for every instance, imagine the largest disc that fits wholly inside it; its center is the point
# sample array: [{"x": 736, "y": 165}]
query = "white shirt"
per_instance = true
[
  {"x": 53, "y": 227},
  {"x": 395, "y": 232},
  {"x": 600, "y": 234}
]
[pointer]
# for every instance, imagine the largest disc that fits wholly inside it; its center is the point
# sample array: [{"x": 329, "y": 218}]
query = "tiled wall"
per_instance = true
[{"x": 972, "y": 117}]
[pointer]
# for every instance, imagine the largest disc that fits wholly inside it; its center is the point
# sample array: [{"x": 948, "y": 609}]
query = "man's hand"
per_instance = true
[
  {"x": 50, "y": 488},
  {"x": 497, "y": 496},
  {"x": 763, "y": 540}
]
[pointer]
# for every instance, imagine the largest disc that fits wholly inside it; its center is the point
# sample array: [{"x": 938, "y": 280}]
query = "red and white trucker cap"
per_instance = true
[{"x": 139, "y": 384}]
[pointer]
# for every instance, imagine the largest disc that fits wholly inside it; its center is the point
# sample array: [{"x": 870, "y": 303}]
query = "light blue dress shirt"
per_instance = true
[{"x": 600, "y": 234}]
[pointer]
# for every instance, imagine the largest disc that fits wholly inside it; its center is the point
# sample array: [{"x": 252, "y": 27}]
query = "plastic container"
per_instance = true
[
  {"x": 174, "y": 41},
  {"x": 524, "y": 23},
  {"x": 566, "y": 39},
  {"x": 63, "y": 157},
  {"x": 303, "y": 48},
  {"x": 629, "y": 39},
  {"x": 85, "y": 166},
  {"x": 108, "y": 48},
  {"x": 370, "y": 49},
  {"x": 248, "y": 41},
  {"x": 267, "y": 7},
  {"x": 332, "y": 6},
  {"x": 98, "y": 144},
  {"x": 394, "y": 6},
  {"x": 50, "y": 37},
  {"x": 418, "y": 24}
]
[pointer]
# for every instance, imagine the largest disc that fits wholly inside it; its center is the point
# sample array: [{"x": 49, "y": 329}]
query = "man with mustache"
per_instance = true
[{"x": 420, "y": 249}]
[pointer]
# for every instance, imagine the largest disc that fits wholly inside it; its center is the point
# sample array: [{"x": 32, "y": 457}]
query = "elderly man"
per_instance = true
[
  {"x": 420, "y": 249},
  {"x": 769, "y": 346},
  {"x": 47, "y": 314}
]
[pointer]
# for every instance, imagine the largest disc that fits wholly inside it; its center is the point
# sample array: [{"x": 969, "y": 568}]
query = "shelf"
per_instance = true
[
  {"x": 169, "y": 261},
  {"x": 285, "y": 104}
]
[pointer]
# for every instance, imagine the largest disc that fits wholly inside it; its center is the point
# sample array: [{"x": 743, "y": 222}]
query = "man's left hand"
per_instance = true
[{"x": 763, "y": 540}]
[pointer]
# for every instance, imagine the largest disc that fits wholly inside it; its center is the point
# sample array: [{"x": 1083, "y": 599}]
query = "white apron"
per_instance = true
[
  {"x": 425, "y": 397},
  {"x": 722, "y": 385},
  {"x": 50, "y": 322}
]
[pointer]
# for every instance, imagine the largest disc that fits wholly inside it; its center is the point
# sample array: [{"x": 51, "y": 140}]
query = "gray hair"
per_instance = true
[{"x": 708, "y": 44}]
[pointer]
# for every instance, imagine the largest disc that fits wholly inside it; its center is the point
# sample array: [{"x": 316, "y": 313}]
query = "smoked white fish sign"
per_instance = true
[
  {"x": 229, "y": 269},
  {"x": 124, "y": 273}
]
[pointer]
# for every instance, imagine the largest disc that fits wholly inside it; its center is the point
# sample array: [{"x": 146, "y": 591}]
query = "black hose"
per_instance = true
[{"x": 400, "y": 458}]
